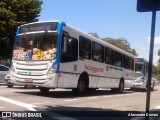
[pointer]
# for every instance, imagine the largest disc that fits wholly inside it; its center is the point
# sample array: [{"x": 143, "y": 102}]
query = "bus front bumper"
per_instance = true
[{"x": 44, "y": 81}]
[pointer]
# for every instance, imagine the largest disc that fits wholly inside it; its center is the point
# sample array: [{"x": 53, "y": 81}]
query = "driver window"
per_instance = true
[{"x": 69, "y": 49}]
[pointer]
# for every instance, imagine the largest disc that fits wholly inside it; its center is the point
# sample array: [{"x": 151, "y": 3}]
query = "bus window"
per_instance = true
[
  {"x": 84, "y": 48},
  {"x": 97, "y": 52},
  {"x": 131, "y": 64},
  {"x": 126, "y": 62},
  {"x": 70, "y": 53},
  {"x": 109, "y": 56},
  {"x": 118, "y": 59}
]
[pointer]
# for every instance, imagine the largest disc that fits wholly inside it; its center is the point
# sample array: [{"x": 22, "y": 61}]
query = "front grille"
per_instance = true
[{"x": 31, "y": 68}]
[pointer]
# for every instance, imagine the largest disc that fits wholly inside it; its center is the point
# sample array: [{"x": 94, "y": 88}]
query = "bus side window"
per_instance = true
[
  {"x": 69, "y": 49},
  {"x": 84, "y": 48},
  {"x": 118, "y": 59},
  {"x": 109, "y": 56},
  {"x": 126, "y": 62},
  {"x": 97, "y": 52},
  {"x": 131, "y": 64}
]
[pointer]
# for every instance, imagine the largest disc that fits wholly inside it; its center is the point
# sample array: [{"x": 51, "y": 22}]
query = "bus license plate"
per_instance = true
[{"x": 28, "y": 80}]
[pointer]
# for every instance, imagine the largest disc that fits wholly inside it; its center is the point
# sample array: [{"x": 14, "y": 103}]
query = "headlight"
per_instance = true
[
  {"x": 51, "y": 70},
  {"x": 12, "y": 68}
]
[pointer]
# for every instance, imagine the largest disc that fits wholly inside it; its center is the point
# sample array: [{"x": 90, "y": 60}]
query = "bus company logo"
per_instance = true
[
  {"x": 6, "y": 114},
  {"x": 94, "y": 69},
  {"x": 20, "y": 114}
]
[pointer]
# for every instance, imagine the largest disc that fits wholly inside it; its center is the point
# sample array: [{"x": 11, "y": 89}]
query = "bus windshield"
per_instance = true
[
  {"x": 37, "y": 46},
  {"x": 138, "y": 70}
]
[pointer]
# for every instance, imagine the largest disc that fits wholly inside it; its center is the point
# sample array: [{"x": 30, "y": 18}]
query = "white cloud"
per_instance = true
[
  {"x": 156, "y": 40},
  {"x": 141, "y": 48},
  {"x": 156, "y": 47},
  {"x": 144, "y": 52}
]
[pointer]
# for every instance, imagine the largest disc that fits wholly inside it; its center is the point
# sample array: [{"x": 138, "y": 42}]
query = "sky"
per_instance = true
[{"x": 107, "y": 18}]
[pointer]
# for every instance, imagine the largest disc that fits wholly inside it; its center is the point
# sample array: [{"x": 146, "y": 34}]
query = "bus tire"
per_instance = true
[
  {"x": 44, "y": 90},
  {"x": 82, "y": 85},
  {"x": 10, "y": 86},
  {"x": 121, "y": 87}
]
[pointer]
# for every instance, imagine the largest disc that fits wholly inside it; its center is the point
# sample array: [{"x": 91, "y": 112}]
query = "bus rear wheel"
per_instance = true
[
  {"x": 120, "y": 89},
  {"x": 44, "y": 90}
]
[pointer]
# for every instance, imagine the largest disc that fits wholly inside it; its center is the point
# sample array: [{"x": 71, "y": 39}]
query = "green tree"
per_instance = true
[
  {"x": 159, "y": 56},
  {"x": 158, "y": 71},
  {"x": 121, "y": 43},
  {"x": 12, "y": 14},
  {"x": 94, "y": 34},
  {"x": 158, "y": 52}
]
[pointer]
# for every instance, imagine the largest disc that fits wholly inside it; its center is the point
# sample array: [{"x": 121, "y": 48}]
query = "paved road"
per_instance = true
[{"x": 20, "y": 99}]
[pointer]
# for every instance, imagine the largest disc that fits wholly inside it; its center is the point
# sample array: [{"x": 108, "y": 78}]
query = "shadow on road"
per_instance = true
[
  {"x": 87, "y": 113},
  {"x": 69, "y": 94}
]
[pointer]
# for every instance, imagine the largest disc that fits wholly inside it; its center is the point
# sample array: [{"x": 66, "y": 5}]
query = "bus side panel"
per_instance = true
[
  {"x": 68, "y": 80},
  {"x": 60, "y": 80},
  {"x": 106, "y": 81},
  {"x": 68, "y": 77},
  {"x": 93, "y": 81},
  {"x": 118, "y": 74},
  {"x": 128, "y": 78},
  {"x": 90, "y": 68}
]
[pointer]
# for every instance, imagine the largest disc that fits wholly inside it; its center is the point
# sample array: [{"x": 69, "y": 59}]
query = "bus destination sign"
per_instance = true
[{"x": 38, "y": 27}]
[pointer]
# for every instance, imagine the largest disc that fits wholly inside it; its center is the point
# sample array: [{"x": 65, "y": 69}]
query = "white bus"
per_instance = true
[
  {"x": 53, "y": 54},
  {"x": 141, "y": 73}
]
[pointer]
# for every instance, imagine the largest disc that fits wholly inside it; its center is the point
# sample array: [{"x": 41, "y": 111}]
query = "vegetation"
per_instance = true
[
  {"x": 12, "y": 14},
  {"x": 158, "y": 71},
  {"x": 94, "y": 34},
  {"x": 158, "y": 52},
  {"x": 121, "y": 43},
  {"x": 158, "y": 66}
]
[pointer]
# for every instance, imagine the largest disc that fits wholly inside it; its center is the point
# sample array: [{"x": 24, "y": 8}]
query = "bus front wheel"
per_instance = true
[
  {"x": 81, "y": 88},
  {"x": 44, "y": 90}
]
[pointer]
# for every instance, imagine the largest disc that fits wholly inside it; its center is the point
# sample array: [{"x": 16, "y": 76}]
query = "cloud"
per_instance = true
[
  {"x": 156, "y": 40},
  {"x": 141, "y": 48},
  {"x": 156, "y": 47},
  {"x": 144, "y": 52}
]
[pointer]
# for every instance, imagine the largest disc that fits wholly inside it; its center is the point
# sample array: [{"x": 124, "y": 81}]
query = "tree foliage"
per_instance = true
[
  {"x": 159, "y": 52},
  {"x": 158, "y": 71},
  {"x": 121, "y": 43},
  {"x": 94, "y": 34},
  {"x": 12, "y": 14}
]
